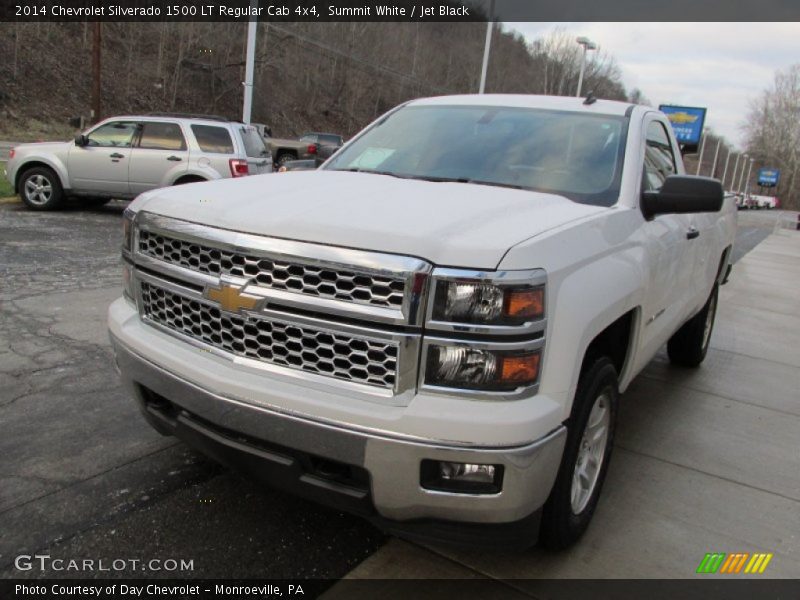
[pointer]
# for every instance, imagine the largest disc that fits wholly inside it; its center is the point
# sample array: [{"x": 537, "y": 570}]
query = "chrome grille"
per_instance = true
[
  {"x": 291, "y": 276},
  {"x": 343, "y": 356}
]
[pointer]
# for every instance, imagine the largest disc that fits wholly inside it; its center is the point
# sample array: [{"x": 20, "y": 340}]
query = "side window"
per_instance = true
[
  {"x": 659, "y": 159},
  {"x": 213, "y": 139},
  {"x": 117, "y": 134},
  {"x": 162, "y": 136}
]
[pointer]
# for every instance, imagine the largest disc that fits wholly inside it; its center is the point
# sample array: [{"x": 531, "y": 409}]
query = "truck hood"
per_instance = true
[{"x": 449, "y": 224}]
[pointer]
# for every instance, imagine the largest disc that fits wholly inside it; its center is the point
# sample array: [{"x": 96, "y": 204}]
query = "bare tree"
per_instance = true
[{"x": 772, "y": 132}]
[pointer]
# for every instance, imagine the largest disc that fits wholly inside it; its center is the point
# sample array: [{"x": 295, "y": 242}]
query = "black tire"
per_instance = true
[
  {"x": 40, "y": 189},
  {"x": 566, "y": 515},
  {"x": 688, "y": 346},
  {"x": 286, "y": 157}
]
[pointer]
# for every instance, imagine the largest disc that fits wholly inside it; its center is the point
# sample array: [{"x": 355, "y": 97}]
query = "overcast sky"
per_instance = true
[{"x": 720, "y": 66}]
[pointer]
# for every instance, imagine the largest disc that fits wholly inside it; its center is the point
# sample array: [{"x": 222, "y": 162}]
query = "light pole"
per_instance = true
[
  {"x": 587, "y": 45},
  {"x": 735, "y": 171},
  {"x": 716, "y": 155},
  {"x": 702, "y": 150},
  {"x": 252, "y": 30},
  {"x": 741, "y": 175},
  {"x": 725, "y": 170},
  {"x": 487, "y": 45},
  {"x": 747, "y": 181}
]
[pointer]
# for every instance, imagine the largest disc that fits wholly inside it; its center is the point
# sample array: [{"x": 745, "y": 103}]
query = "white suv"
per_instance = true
[{"x": 122, "y": 157}]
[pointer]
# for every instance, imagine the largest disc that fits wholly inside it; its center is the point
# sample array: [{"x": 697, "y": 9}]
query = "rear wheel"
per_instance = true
[
  {"x": 41, "y": 189},
  {"x": 587, "y": 452},
  {"x": 688, "y": 346}
]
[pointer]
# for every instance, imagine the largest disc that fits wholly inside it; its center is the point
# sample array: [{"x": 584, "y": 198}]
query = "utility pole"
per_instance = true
[
  {"x": 252, "y": 30},
  {"x": 486, "y": 47},
  {"x": 96, "y": 39}
]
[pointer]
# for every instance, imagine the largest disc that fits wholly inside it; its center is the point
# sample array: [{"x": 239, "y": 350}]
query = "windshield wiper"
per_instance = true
[
  {"x": 374, "y": 172},
  {"x": 435, "y": 178},
  {"x": 468, "y": 180}
]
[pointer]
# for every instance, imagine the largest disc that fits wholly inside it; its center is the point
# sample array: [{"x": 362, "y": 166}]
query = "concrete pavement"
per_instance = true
[{"x": 706, "y": 460}]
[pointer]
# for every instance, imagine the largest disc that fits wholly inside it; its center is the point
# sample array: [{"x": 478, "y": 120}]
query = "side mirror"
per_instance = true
[
  {"x": 81, "y": 140},
  {"x": 683, "y": 194}
]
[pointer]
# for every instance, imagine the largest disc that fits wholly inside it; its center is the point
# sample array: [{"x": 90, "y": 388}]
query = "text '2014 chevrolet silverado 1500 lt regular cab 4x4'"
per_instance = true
[{"x": 433, "y": 329}]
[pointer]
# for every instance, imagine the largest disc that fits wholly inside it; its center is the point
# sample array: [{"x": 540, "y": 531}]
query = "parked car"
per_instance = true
[
  {"x": 283, "y": 149},
  {"x": 431, "y": 334},
  {"x": 327, "y": 143},
  {"x": 299, "y": 165},
  {"x": 121, "y": 157}
]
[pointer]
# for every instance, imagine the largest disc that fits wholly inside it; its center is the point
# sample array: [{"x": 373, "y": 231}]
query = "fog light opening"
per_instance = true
[{"x": 461, "y": 478}]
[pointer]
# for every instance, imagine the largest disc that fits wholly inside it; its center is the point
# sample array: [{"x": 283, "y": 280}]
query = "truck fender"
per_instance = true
[{"x": 614, "y": 282}]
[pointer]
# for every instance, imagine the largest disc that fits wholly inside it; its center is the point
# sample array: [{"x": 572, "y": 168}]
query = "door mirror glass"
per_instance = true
[{"x": 81, "y": 140}]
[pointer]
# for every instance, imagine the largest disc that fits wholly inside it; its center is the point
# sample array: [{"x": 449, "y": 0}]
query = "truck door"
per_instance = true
[{"x": 669, "y": 243}]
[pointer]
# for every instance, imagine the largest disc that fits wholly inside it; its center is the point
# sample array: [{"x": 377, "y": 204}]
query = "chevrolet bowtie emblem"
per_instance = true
[{"x": 231, "y": 298}]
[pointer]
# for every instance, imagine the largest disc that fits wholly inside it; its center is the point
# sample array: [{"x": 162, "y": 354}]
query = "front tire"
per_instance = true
[
  {"x": 587, "y": 452},
  {"x": 41, "y": 189},
  {"x": 688, "y": 346}
]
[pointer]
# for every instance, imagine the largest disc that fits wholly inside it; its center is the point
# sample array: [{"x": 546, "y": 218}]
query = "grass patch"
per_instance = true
[
  {"x": 33, "y": 130},
  {"x": 5, "y": 186}
]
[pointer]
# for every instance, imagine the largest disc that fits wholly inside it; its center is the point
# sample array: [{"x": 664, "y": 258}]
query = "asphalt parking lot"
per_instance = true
[{"x": 83, "y": 476}]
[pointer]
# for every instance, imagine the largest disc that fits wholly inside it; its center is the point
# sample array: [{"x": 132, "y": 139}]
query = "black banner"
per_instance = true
[
  {"x": 708, "y": 587},
  {"x": 398, "y": 10}
]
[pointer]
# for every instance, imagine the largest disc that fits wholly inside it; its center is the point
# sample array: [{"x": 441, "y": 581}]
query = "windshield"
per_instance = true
[{"x": 578, "y": 156}]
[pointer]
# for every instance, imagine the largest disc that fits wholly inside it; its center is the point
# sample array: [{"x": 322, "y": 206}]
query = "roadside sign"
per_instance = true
[
  {"x": 687, "y": 122},
  {"x": 768, "y": 177}
]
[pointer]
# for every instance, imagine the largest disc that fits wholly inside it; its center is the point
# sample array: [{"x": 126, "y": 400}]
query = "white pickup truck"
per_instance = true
[{"x": 433, "y": 329}]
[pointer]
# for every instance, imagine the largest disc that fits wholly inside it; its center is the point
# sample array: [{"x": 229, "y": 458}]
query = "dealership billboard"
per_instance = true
[
  {"x": 768, "y": 177},
  {"x": 687, "y": 122}
]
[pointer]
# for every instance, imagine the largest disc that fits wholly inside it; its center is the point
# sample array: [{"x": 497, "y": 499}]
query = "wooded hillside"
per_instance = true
[{"x": 331, "y": 76}]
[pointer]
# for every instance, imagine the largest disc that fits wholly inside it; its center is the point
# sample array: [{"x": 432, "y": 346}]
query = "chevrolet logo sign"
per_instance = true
[{"x": 231, "y": 298}]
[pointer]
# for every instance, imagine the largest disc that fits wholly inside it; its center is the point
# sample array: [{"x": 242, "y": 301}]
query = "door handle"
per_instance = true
[
  {"x": 116, "y": 155},
  {"x": 692, "y": 233},
  {"x": 174, "y": 158}
]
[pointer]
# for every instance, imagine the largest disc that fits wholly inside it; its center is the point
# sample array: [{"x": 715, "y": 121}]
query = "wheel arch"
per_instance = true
[{"x": 54, "y": 166}]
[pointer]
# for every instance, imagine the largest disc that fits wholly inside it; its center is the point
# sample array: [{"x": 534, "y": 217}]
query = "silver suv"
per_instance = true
[{"x": 122, "y": 157}]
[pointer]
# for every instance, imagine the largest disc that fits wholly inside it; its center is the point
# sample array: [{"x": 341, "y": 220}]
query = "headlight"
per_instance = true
[
  {"x": 502, "y": 299},
  {"x": 471, "y": 368},
  {"x": 127, "y": 250}
]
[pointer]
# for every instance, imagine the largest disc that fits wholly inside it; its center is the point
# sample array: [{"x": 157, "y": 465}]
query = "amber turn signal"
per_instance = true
[
  {"x": 520, "y": 368},
  {"x": 524, "y": 304}
]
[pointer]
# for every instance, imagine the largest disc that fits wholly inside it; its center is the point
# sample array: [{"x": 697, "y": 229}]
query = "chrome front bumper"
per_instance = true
[{"x": 393, "y": 463}]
